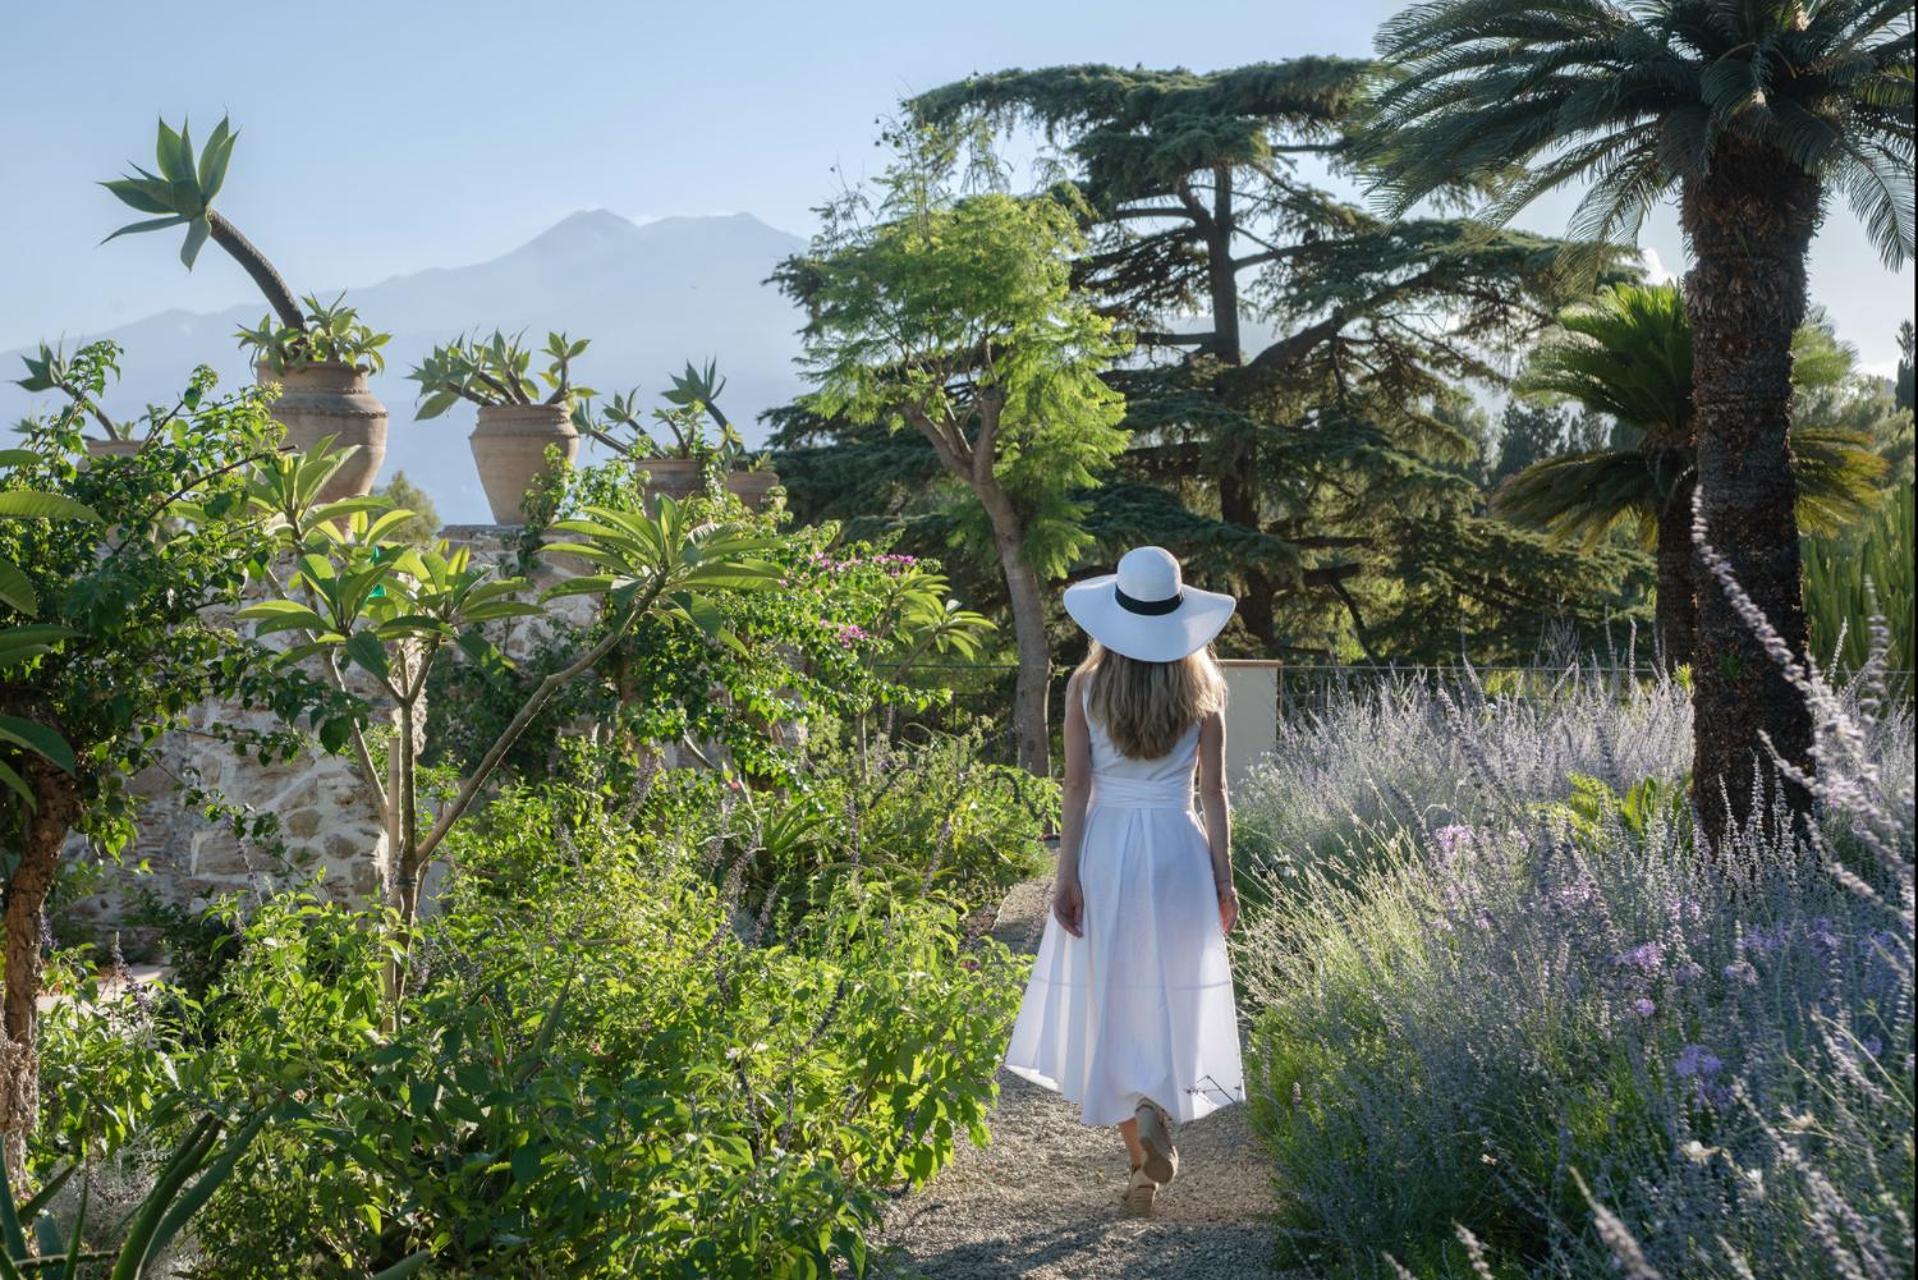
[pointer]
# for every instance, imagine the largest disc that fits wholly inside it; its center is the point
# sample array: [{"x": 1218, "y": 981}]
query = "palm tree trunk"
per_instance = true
[
  {"x": 1750, "y": 222},
  {"x": 1677, "y": 614},
  {"x": 56, "y": 808}
]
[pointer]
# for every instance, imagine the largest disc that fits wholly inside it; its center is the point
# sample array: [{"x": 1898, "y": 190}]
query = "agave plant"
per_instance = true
[
  {"x": 182, "y": 195},
  {"x": 496, "y": 371},
  {"x": 333, "y": 333},
  {"x": 198, "y": 1164},
  {"x": 692, "y": 396}
]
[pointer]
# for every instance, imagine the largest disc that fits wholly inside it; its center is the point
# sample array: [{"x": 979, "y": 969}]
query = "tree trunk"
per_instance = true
[
  {"x": 56, "y": 808},
  {"x": 1750, "y": 222},
  {"x": 254, "y": 263},
  {"x": 1026, "y": 598},
  {"x": 1677, "y": 617},
  {"x": 1238, "y": 475}
]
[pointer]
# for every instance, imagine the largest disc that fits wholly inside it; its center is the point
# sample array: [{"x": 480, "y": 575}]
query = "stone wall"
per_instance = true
[{"x": 331, "y": 833}]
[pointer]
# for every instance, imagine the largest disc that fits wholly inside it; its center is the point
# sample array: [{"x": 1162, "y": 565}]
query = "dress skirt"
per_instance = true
[{"x": 1141, "y": 1006}]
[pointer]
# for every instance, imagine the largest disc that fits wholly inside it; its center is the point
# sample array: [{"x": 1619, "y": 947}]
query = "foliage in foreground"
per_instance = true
[
  {"x": 1507, "y": 1015},
  {"x": 607, "y": 1068}
]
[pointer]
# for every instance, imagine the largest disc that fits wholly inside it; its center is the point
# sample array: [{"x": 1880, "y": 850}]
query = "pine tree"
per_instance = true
[{"x": 1307, "y": 423}]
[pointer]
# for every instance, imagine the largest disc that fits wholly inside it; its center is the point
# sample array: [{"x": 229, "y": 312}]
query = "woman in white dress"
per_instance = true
[{"x": 1129, "y": 1010}]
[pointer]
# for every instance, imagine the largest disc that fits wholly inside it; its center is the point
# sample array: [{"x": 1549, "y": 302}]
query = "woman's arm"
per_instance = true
[
  {"x": 1217, "y": 814},
  {"x": 1068, "y": 904}
]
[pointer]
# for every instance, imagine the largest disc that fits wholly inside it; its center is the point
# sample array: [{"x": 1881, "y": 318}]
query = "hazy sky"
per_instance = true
[{"x": 384, "y": 138}]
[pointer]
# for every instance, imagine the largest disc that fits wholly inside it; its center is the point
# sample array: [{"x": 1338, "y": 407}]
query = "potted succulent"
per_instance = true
[
  {"x": 321, "y": 369},
  {"x": 77, "y": 377},
  {"x": 319, "y": 356},
  {"x": 516, "y": 424},
  {"x": 679, "y": 464}
]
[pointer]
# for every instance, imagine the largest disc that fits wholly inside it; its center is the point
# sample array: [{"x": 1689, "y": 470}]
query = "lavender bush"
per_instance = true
[
  {"x": 1509, "y": 1020},
  {"x": 1369, "y": 768}
]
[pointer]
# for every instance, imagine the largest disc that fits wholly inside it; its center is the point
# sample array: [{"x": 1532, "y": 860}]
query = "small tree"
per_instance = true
[
  {"x": 358, "y": 598},
  {"x": 955, "y": 315}
]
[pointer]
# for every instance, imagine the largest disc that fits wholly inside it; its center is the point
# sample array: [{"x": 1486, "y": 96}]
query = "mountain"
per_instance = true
[{"x": 650, "y": 296}]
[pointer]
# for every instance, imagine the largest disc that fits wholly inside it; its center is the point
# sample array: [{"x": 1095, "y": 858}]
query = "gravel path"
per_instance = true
[{"x": 1043, "y": 1200}]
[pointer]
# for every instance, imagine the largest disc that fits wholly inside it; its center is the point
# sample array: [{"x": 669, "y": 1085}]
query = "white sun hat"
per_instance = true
[{"x": 1145, "y": 610}]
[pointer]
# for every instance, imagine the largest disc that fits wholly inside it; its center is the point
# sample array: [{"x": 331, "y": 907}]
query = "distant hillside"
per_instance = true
[{"x": 651, "y": 297}]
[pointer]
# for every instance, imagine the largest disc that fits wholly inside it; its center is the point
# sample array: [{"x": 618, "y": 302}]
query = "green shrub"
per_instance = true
[{"x": 599, "y": 1074}]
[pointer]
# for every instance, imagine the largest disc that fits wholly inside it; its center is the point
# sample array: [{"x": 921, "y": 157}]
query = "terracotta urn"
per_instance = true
[
  {"x": 679, "y": 478},
  {"x": 751, "y": 487},
  {"x": 509, "y": 446},
  {"x": 332, "y": 399}
]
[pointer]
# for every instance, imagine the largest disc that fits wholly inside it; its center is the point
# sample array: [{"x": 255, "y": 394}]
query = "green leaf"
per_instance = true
[
  {"x": 281, "y": 615},
  {"x": 29, "y": 505},
  {"x": 196, "y": 234},
  {"x": 134, "y": 192},
  {"x": 16, "y": 590},
  {"x": 11, "y": 1236},
  {"x": 20, "y": 643},
  {"x": 365, "y": 648},
  {"x": 405, "y": 1267},
  {"x": 206, "y": 1184},
  {"x": 152, "y": 224},
  {"x": 15, "y": 783},
  {"x": 213, "y": 160},
  {"x": 37, "y": 738}
]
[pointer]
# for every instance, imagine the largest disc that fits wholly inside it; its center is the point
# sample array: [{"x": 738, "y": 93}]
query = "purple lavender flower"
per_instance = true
[
  {"x": 1643, "y": 1007},
  {"x": 1577, "y": 895},
  {"x": 1742, "y": 973},
  {"x": 1695, "y": 1061},
  {"x": 1453, "y": 840},
  {"x": 1646, "y": 958}
]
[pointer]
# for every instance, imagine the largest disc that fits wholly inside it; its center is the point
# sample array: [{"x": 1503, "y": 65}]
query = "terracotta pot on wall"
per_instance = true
[
  {"x": 679, "y": 478},
  {"x": 509, "y": 446},
  {"x": 332, "y": 399}
]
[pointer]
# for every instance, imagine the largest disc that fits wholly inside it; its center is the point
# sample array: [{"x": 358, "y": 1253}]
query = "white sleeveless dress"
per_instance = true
[{"x": 1141, "y": 1005}]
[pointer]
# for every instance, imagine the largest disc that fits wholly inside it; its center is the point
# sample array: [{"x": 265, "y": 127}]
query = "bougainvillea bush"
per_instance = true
[{"x": 1518, "y": 1024}]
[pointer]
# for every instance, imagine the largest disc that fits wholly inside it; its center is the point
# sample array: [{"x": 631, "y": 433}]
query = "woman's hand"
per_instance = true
[
  {"x": 1228, "y": 908},
  {"x": 1069, "y": 905}
]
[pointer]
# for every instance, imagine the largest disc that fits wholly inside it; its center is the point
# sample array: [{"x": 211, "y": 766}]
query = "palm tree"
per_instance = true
[
  {"x": 1749, "y": 111},
  {"x": 1628, "y": 354}
]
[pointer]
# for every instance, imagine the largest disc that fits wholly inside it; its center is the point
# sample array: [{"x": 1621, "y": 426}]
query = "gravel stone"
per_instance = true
[{"x": 1042, "y": 1201}]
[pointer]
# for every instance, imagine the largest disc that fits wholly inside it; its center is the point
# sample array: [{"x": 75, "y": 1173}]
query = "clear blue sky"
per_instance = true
[{"x": 384, "y": 138}]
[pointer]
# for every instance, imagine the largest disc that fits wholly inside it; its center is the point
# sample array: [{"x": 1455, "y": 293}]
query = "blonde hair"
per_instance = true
[{"x": 1146, "y": 707}]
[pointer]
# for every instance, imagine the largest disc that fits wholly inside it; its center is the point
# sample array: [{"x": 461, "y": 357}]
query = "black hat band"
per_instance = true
[{"x": 1150, "y": 608}]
